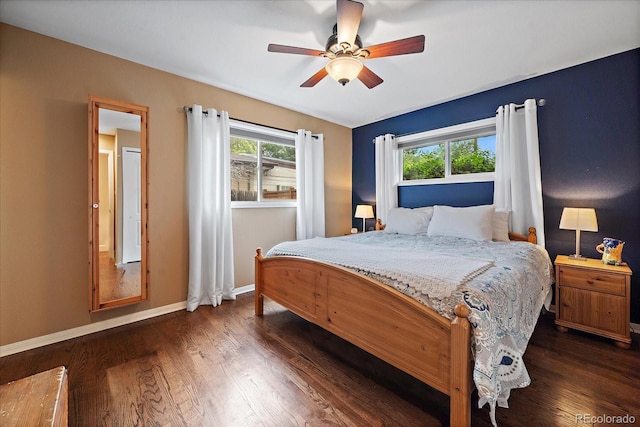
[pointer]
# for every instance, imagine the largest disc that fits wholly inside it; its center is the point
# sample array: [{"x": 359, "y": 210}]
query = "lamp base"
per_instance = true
[{"x": 577, "y": 257}]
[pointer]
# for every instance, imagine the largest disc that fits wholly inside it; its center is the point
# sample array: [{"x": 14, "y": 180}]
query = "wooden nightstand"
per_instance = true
[{"x": 593, "y": 297}]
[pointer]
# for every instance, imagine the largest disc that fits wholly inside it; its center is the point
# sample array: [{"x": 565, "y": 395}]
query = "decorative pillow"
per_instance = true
[
  {"x": 474, "y": 222},
  {"x": 501, "y": 226},
  {"x": 408, "y": 221}
]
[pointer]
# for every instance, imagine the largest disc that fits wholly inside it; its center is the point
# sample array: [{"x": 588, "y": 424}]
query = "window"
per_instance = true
[
  {"x": 461, "y": 153},
  {"x": 263, "y": 166}
]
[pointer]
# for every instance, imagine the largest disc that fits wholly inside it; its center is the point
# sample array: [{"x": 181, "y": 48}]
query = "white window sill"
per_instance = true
[
  {"x": 454, "y": 179},
  {"x": 263, "y": 205}
]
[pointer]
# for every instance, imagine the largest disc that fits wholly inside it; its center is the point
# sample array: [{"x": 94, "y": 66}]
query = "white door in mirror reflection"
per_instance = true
[{"x": 131, "y": 205}]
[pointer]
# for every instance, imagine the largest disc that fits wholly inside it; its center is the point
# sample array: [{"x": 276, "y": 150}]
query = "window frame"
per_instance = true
[
  {"x": 262, "y": 134},
  {"x": 446, "y": 135}
]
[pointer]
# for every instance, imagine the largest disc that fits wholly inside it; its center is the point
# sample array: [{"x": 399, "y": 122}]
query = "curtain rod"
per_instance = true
[
  {"x": 187, "y": 109},
  {"x": 541, "y": 103},
  {"x": 190, "y": 109}
]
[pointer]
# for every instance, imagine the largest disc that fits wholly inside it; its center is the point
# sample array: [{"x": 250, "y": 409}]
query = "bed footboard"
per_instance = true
[{"x": 376, "y": 318}]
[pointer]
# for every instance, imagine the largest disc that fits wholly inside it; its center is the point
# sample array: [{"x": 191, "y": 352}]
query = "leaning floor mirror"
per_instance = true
[{"x": 118, "y": 206}]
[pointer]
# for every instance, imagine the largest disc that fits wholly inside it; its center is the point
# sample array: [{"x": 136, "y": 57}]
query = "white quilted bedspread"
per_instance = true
[{"x": 430, "y": 273}]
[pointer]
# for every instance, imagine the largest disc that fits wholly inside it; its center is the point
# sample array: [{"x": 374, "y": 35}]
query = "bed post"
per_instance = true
[
  {"x": 258, "y": 298},
  {"x": 461, "y": 380},
  {"x": 532, "y": 237}
]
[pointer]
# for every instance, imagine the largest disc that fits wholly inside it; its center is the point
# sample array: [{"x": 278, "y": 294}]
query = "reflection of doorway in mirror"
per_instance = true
[
  {"x": 131, "y": 206},
  {"x": 120, "y": 216}
]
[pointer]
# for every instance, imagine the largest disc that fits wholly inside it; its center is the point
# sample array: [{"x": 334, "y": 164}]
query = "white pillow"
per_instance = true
[
  {"x": 408, "y": 221},
  {"x": 474, "y": 222},
  {"x": 426, "y": 211},
  {"x": 501, "y": 226}
]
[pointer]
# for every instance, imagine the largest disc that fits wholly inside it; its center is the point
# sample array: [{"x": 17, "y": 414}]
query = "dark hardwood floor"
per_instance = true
[{"x": 226, "y": 367}]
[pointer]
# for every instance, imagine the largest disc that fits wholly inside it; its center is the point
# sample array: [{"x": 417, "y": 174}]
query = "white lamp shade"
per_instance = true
[
  {"x": 583, "y": 219},
  {"x": 343, "y": 69},
  {"x": 364, "y": 211}
]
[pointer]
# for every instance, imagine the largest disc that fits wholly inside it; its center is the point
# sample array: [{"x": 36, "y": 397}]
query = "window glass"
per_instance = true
[
  {"x": 423, "y": 162},
  {"x": 473, "y": 155},
  {"x": 459, "y": 153},
  {"x": 263, "y": 167},
  {"x": 244, "y": 167},
  {"x": 278, "y": 172}
]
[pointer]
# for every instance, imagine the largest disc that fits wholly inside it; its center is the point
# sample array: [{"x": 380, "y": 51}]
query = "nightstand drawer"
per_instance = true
[
  {"x": 593, "y": 309},
  {"x": 592, "y": 280}
]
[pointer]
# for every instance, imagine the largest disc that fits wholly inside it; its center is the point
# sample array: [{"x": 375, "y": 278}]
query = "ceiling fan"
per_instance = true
[{"x": 345, "y": 51}]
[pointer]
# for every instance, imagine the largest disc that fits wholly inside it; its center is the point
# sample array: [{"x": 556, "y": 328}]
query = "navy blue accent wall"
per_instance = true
[
  {"x": 589, "y": 133},
  {"x": 474, "y": 193}
]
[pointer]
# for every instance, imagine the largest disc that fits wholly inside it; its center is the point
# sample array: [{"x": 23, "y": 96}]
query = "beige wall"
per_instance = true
[{"x": 45, "y": 84}]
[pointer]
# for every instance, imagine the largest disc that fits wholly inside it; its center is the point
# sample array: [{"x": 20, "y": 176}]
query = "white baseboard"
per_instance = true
[
  {"x": 56, "y": 337},
  {"x": 245, "y": 289},
  {"x": 32, "y": 343}
]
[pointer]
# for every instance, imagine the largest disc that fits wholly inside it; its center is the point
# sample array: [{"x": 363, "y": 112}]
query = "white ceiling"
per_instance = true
[{"x": 471, "y": 46}]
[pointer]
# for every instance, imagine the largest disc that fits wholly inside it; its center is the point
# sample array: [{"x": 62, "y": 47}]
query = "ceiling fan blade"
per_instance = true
[
  {"x": 398, "y": 47},
  {"x": 280, "y": 48},
  {"x": 313, "y": 80},
  {"x": 349, "y": 16},
  {"x": 369, "y": 78}
]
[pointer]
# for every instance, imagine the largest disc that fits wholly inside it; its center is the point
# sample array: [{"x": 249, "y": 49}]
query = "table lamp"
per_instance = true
[
  {"x": 579, "y": 219},
  {"x": 364, "y": 212}
]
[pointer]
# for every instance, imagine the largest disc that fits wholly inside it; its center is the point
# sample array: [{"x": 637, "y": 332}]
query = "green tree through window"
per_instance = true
[
  {"x": 467, "y": 156},
  {"x": 279, "y": 151},
  {"x": 424, "y": 162}
]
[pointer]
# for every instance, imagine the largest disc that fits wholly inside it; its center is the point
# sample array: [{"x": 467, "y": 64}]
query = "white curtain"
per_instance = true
[
  {"x": 310, "y": 178},
  {"x": 518, "y": 185},
  {"x": 387, "y": 175},
  {"x": 209, "y": 193}
]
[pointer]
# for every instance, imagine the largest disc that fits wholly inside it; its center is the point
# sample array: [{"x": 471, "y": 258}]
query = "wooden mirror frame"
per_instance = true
[{"x": 95, "y": 104}]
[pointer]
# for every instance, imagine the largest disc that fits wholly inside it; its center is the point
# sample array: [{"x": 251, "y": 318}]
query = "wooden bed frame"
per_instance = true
[{"x": 379, "y": 319}]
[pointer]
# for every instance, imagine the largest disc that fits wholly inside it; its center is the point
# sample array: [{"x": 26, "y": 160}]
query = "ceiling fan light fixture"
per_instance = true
[
  {"x": 336, "y": 47},
  {"x": 345, "y": 51},
  {"x": 343, "y": 69}
]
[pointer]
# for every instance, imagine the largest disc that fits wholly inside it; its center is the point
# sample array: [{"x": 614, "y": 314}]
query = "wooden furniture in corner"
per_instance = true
[
  {"x": 593, "y": 297},
  {"x": 39, "y": 400},
  {"x": 532, "y": 237},
  {"x": 378, "y": 319}
]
